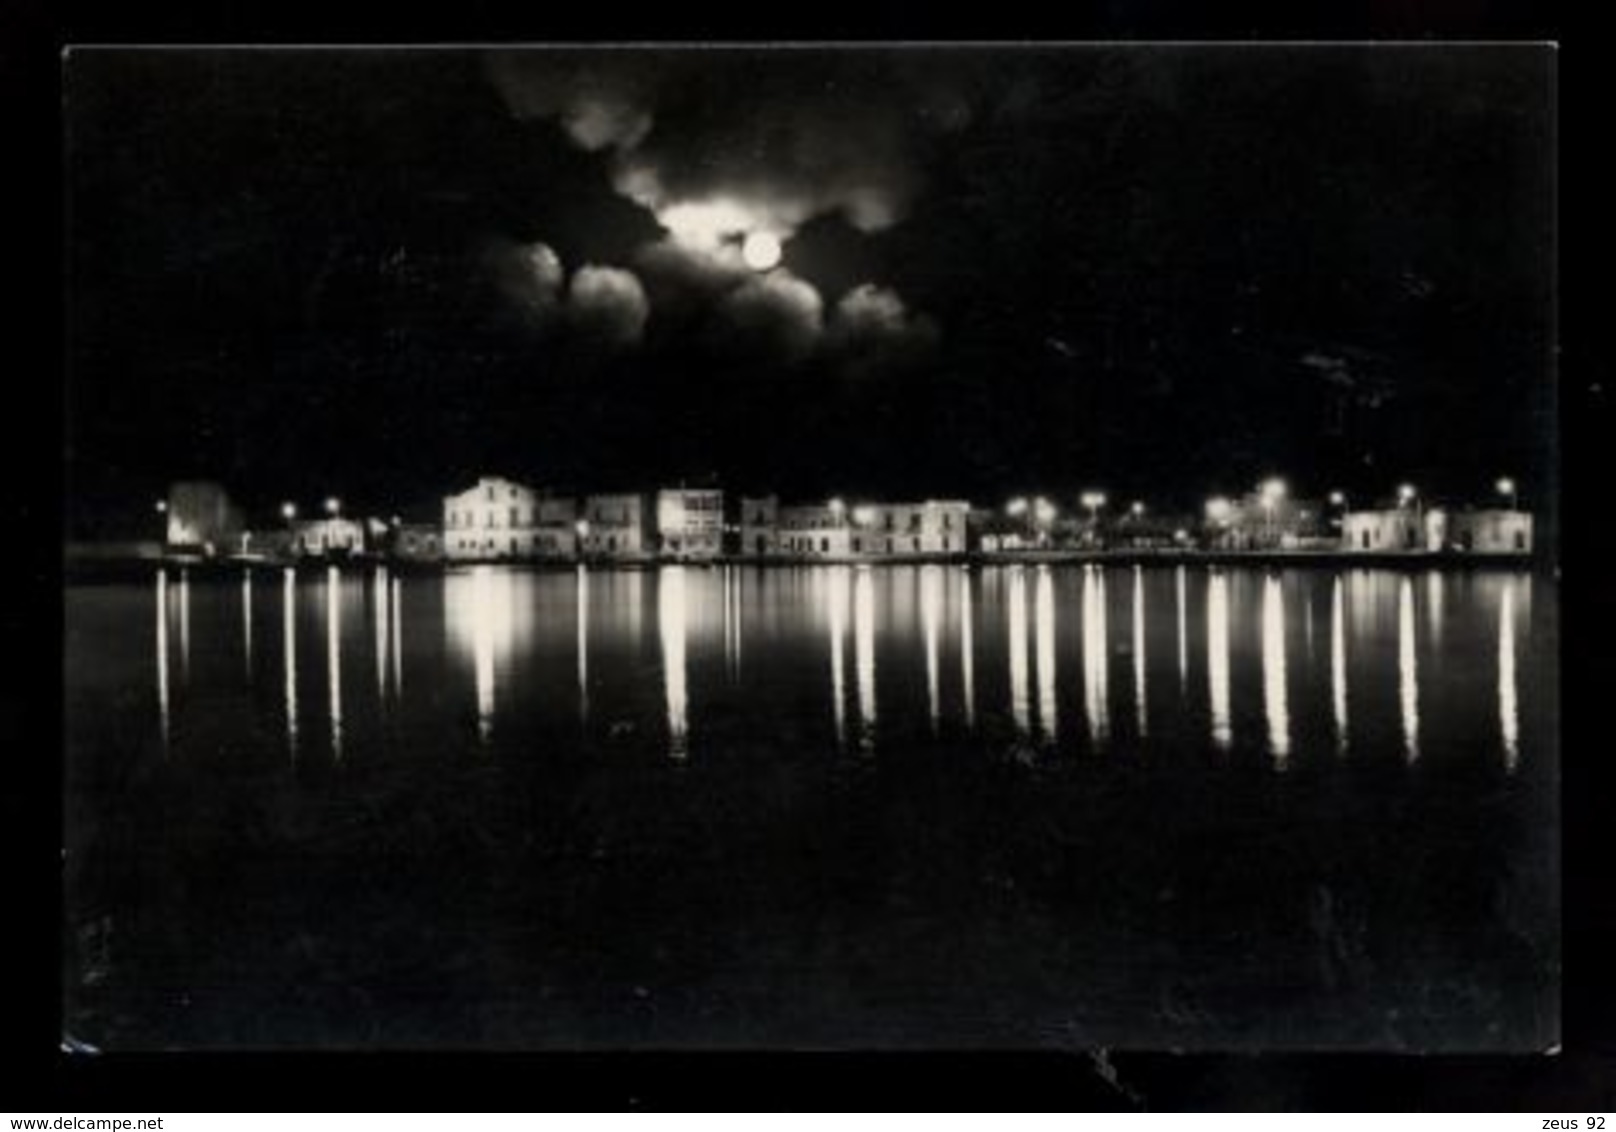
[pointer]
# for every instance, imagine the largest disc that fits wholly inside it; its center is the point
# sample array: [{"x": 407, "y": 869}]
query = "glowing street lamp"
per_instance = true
[
  {"x": 288, "y": 511},
  {"x": 1218, "y": 509},
  {"x": 1506, "y": 486},
  {"x": 1044, "y": 511},
  {"x": 1136, "y": 509},
  {"x": 864, "y": 515},
  {"x": 1017, "y": 506},
  {"x": 1406, "y": 494},
  {"x": 162, "y": 506},
  {"x": 1338, "y": 499},
  {"x": 333, "y": 505}
]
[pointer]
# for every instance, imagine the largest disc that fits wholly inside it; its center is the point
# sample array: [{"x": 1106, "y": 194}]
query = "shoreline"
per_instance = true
[{"x": 119, "y": 568}]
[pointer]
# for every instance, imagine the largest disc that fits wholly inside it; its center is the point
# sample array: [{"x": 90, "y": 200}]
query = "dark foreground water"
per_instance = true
[{"x": 890, "y": 806}]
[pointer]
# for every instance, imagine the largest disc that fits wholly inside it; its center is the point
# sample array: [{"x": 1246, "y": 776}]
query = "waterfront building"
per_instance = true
[
  {"x": 555, "y": 527},
  {"x": 690, "y": 522},
  {"x": 1480, "y": 531},
  {"x": 618, "y": 527},
  {"x": 332, "y": 536},
  {"x": 1259, "y": 521},
  {"x": 1382, "y": 530},
  {"x": 417, "y": 542},
  {"x": 494, "y": 519},
  {"x": 760, "y": 519},
  {"x": 202, "y": 519},
  {"x": 816, "y": 530},
  {"x": 934, "y": 526}
]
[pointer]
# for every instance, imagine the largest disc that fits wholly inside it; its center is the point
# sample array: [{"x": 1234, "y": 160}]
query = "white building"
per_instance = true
[
  {"x": 495, "y": 519},
  {"x": 333, "y": 535},
  {"x": 1490, "y": 531},
  {"x": 1380, "y": 532},
  {"x": 815, "y": 530},
  {"x": 617, "y": 527},
  {"x": 934, "y": 526},
  {"x": 690, "y": 522}
]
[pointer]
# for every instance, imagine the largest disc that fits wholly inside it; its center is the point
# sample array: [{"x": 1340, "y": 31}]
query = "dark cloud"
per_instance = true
[
  {"x": 871, "y": 328},
  {"x": 779, "y": 138}
]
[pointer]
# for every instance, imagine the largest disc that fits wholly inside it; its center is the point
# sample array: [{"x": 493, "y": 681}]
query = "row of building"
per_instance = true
[{"x": 501, "y": 519}]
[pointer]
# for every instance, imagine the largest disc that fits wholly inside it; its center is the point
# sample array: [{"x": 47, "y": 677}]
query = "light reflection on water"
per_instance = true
[
  {"x": 1016, "y": 612},
  {"x": 1338, "y": 661},
  {"x": 1508, "y": 705},
  {"x": 162, "y": 656},
  {"x": 864, "y": 646},
  {"x": 289, "y": 655},
  {"x": 1217, "y": 656},
  {"x": 1096, "y": 658},
  {"x": 247, "y": 622},
  {"x": 333, "y": 655},
  {"x": 1044, "y": 604},
  {"x": 672, "y": 621},
  {"x": 1408, "y": 679},
  {"x": 1276, "y": 703},
  {"x": 1378, "y": 679},
  {"x": 1139, "y": 649}
]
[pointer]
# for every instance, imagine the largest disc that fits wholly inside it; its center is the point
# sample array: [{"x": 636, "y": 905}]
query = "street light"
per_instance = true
[
  {"x": 332, "y": 505},
  {"x": 162, "y": 506},
  {"x": 1017, "y": 506},
  {"x": 838, "y": 508},
  {"x": 1217, "y": 509},
  {"x": 1506, "y": 486},
  {"x": 1137, "y": 509},
  {"x": 864, "y": 515},
  {"x": 288, "y": 511},
  {"x": 1338, "y": 499},
  {"x": 1044, "y": 510}
]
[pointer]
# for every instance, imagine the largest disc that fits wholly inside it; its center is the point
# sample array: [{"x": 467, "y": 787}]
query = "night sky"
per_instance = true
[{"x": 1164, "y": 272}]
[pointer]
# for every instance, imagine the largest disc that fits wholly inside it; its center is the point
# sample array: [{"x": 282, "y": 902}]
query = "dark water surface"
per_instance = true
[{"x": 826, "y": 806}]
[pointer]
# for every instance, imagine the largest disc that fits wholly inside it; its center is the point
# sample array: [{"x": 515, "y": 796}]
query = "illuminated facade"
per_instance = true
[
  {"x": 895, "y": 529},
  {"x": 814, "y": 530},
  {"x": 203, "y": 518},
  {"x": 690, "y": 523},
  {"x": 495, "y": 519}
]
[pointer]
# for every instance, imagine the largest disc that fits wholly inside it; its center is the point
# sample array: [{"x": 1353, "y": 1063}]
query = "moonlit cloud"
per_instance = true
[
  {"x": 529, "y": 275},
  {"x": 717, "y": 154},
  {"x": 607, "y": 304},
  {"x": 776, "y": 315}
]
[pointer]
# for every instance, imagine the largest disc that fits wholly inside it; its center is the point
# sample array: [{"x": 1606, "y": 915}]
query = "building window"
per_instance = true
[
  {"x": 1520, "y": 540},
  {"x": 515, "y": 517},
  {"x": 824, "y": 546},
  {"x": 1366, "y": 540},
  {"x": 490, "y": 493},
  {"x": 858, "y": 545},
  {"x": 945, "y": 541},
  {"x": 917, "y": 543}
]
